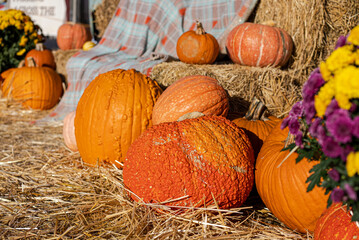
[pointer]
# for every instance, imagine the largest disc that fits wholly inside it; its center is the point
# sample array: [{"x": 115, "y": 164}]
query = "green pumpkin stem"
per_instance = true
[
  {"x": 257, "y": 111},
  {"x": 200, "y": 30}
]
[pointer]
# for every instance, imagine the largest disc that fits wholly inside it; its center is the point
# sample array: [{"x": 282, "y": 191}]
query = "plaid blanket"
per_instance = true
[{"x": 143, "y": 33}]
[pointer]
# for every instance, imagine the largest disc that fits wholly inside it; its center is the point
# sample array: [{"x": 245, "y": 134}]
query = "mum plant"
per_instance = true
[
  {"x": 325, "y": 124},
  {"x": 18, "y": 35}
]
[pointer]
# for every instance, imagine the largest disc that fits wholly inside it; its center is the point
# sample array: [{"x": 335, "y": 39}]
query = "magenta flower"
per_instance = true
[
  {"x": 334, "y": 174},
  {"x": 342, "y": 40},
  {"x": 331, "y": 148},
  {"x": 284, "y": 123},
  {"x": 313, "y": 129},
  {"x": 321, "y": 135},
  {"x": 333, "y": 106},
  {"x": 340, "y": 125},
  {"x": 299, "y": 139},
  {"x": 309, "y": 112},
  {"x": 350, "y": 191},
  {"x": 345, "y": 152},
  {"x": 294, "y": 126},
  {"x": 337, "y": 195},
  {"x": 297, "y": 110},
  {"x": 355, "y": 129}
]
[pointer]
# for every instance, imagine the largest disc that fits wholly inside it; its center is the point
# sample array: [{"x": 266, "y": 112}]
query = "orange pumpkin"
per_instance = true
[
  {"x": 197, "y": 47},
  {"x": 191, "y": 94},
  {"x": 35, "y": 87},
  {"x": 335, "y": 224},
  {"x": 72, "y": 35},
  {"x": 190, "y": 163},
  {"x": 68, "y": 131},
  {"x": 113, "y": 111},
  {"x": 257, "y": 124},
  {"x": 43, "y": 57},
  {"x": 282, "y": 184},
  {"x": 259, "y": 45}
]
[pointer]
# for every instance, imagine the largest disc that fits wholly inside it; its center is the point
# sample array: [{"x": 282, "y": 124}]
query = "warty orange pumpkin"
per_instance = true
[
  {"x": 35, "y": 87},
  {"x": 113, "y": 111},
  {"x": 259, "y": 45},
  {"x": 191, "y": 94},
  {"x": 72, "y": 35},
  {"x": 197, "y": 47},
  {"x": 68, "y": 131},
  {"x": 43, "y": 57},
  {"x": 282, "y": 184},
  {"x": 194, "y": 161},
  {"x": 335, "y": 224}
]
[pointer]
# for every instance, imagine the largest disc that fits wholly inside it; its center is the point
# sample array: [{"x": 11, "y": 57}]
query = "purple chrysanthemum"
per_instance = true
[
  {"x": 341, "y": 42},
  {"x": 299, "y": 139},
  {"x": 321, "y": 135},
  {"x": 334, "y": 174},
  {"x": 294, "y": 126},
  {"x": 284, "y": 123},
  {"x": 332, "y": 107},
  {"x": 313, "y": 129},
  {"x": 309, "y": 112},
  {"x": 331, "y": 148},
  {"x": 337, "y": 195},
  {"x": 339, "y": 125},
  {"x": 345, "y": 152},
  {"x": 297, "y": 110},
  {"x": 351, "y": 192},
  {"x": 355, "y": 129}
]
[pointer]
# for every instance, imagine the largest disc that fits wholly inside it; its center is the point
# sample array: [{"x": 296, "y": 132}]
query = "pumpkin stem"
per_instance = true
[
  {"x": 31, "y": 62},
  {"x": 200, "y": 30},
  {"x": 39, "y": 47},
  {"x": 190, "y": 115},
  {"x": 21, "y": 64},
  {"x": 257, "y": 111}
]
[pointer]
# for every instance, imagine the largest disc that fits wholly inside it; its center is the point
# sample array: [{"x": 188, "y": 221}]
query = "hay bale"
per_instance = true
[
  {"x": 275, "y": 87},
  {"x": 103, "y": 14},
  {"x": 61, "y": 58}
]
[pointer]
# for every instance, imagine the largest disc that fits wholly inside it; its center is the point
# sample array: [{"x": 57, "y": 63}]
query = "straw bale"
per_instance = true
[
  {"x": 103, "y": 14},
  {"x": 61, "y": 58},
  {"x": 46, "y": 192}
]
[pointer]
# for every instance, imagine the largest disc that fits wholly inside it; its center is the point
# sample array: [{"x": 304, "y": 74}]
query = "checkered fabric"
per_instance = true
[{"x": 143, "y": 33}]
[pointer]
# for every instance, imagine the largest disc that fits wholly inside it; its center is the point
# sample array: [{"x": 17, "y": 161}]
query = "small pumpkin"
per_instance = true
[
  {"x": 190, "y": 163},
  {"x": 113, "y": 111},
  {"x": 88, "y": 45},
  {"x": 72, "y": 35},
  {"x": 191, "y": 94},
  {"x": 259, "y": 45},
  {"x": 335, "y": 224},
  {"x": 68, "y": 131},
  {"x": 197, "y": 47},
  {"x": 43, "y": 57},
  {"x": 257, "y": 124},
  {"x": 35, "y": 87},
  {"x": 282, "y": 186}
]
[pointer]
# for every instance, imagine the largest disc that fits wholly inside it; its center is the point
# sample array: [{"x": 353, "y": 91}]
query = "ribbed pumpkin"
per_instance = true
[
  {"x": 43, "y": 57},
  {"x": 72, "y": 35},
  {"x": 259, "y": 45},
  {"x": 35, "y": 87},
  {"x": 191, "y": 94},
  {"x": 113, "y": 111},
  {"x": 193, "y": 161},
  {"x": 335, "y": 224},
  {"x": 257, "y": 124},
  {"x": 282, "y": 184},
  {"x": 197, "y": 47},
  {"x": 68, "y": 131}
]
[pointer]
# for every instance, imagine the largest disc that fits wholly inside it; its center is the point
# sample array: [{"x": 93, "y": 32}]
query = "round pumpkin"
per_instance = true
[
  {"x": 197, "y": 47},
  {"x": 35, "y": 87},
  {"x": 191, "y": 94},
  {"x": 43, "y": 57},
  {"x": 257, "y": 124},
  {"x": 190, "y": 163},
  {"x": 335, "y": 224},
  {"x": 259, "y": 45},
  {"x": 68, "y": 131},
  {"x": 281, "y": 184},
  {"x": 113, "y": 111},
  {"x": 72, "y": 35}
]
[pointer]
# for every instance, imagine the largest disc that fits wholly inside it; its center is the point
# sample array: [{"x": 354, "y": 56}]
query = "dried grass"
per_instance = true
[
  {"x": 61, "y": 58},
  {"x": 103, "y": 15},
  {"x": 46, "y": 192}
]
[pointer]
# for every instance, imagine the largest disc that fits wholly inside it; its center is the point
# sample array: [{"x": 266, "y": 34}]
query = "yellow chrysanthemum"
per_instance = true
[
  {"x": 0, "y": 40},
  {"x": 326, "y": 74},
  {"x": 354, "y": 36},
  {"x": 324, "y": 97},
  {"x": 352, "y": 163},
  {"x": 23, "y": 41},
  {"x": 29, "y": 27},
  {"x": 347, "y": 81},
  {"x": 21, "y": 52},
  {"x": 340, "y": 58}
]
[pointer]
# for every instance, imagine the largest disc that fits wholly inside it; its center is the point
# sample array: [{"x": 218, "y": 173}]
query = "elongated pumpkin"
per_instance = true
[
  {"x": 190, "y": 163},
  {"x": 282, "y": 185},
  {"x": 113, "y": 111},
  {"x": 191, "y": 94}
]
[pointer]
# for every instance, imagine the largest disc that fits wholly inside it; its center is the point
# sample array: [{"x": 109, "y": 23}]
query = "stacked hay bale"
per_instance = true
[
  {"x": 314, "y": 25},
  {"x": 103, "y": 15}
]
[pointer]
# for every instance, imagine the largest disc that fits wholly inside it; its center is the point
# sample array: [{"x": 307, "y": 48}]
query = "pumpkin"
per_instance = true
[
  {"x": 68, "y": 131},
  {"x": 197, "y": 47},
  {"x": 191, "y": 94},
  {"x": 88, "y": 45},
  {"x": 113, "y": 111},
  {"x": 35, "y": 87},
  {"x": 257, "y": 124},
  {"x": 335, "y": 223},
  {"x": 281, "y": 184},
  {"x": 259, "y": 45},
  {"x": 190, "y": 163},
  {"x": 43, "y": 57},
  {"x": 72, "y": 35}
]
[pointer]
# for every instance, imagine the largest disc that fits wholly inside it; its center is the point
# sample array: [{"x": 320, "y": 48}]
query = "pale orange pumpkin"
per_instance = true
[
  {"x": 68, "y": 131},
  {"x": 282, "y": 186},
  {"x": 72, "y": 35},
  {"x": 43, "y": 57},
  {"x": 35, "y": 87},
  {"x": 113, "y": 111},
  {"x": 259, "y": 45},
  {"x": 191, "y": 94},
  {"x": 197, "y": 47}
]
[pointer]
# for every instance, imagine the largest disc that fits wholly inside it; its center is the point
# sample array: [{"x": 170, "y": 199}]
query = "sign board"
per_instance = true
[{"x": 48, "y": 14}]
